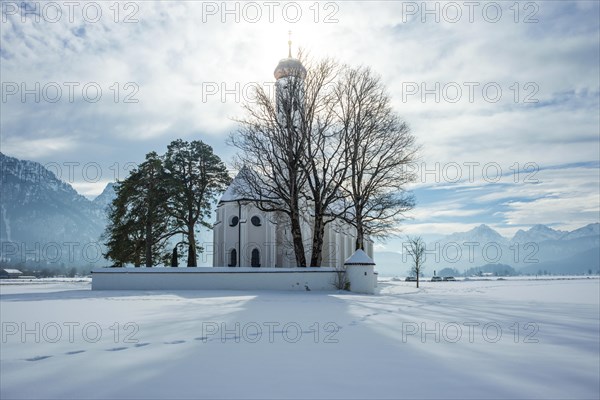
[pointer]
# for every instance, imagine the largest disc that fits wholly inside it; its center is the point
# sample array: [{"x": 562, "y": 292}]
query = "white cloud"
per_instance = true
[
  {"x": 90, "y": 189},
  {"x": 172, "y": 54},
  {"x": 37, "y": 148},
  {"x": 568, "y": 212}
]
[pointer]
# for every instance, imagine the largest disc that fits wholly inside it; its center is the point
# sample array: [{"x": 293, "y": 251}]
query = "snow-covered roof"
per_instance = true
[
  {"x": 359, "y": 258},
  {"x": 11, "y": 271},
  {"x": 238, "y": 188}
]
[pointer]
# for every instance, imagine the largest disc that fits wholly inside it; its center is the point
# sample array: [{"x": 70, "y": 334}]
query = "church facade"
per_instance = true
[{"x": 245, "y": 236}]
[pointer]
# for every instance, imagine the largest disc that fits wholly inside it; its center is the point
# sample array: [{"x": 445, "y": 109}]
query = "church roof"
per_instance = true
[
  {"x": 238, "y": 189},
  {"x": 359, "y": 258},
  {"x": 289, "y": 66}
]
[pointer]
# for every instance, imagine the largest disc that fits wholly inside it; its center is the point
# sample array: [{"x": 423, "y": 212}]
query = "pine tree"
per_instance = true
[
  {"x": 195, "y": 176},
  {"x": 162, "y": 197},
  {"x": 138, "y": 220}
]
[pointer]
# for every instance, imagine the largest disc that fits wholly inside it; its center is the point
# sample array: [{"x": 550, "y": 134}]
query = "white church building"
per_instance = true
[
  {"x": 245, "y": 236},
  {"x": 259, "y": 244}
]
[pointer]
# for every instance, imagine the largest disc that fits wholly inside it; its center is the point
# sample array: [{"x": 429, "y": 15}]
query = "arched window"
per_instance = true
[
  {"x": 255, "y": 260},
  {"x": 234, "y": 221},
  {"x": 233, "y": 258},
  {"x": 255, "y": 220}
]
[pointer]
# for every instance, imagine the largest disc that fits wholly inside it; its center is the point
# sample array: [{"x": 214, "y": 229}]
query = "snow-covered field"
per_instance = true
[{"x": 471, "y": 339}]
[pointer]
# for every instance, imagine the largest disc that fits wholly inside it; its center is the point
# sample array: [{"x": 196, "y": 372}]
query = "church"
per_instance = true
[{"x": 245, "y": 236}]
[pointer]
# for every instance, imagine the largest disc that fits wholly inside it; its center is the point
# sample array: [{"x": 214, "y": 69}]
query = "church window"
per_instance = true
[
  {"x": 255, "y": 221},
  {"x": 232, "y": 258},
  {"x": 234, "y": 221},
  {"x": 255, "y": 259}
]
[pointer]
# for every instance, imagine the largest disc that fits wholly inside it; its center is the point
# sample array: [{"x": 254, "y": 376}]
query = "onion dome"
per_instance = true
[{"x": 289, "y": 66}]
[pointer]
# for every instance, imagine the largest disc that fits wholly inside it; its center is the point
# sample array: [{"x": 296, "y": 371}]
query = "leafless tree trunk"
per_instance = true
[
  {"x": 272, "y": 148},
  {"x": 330, "y": 146},
  {"x": 415, "y": 247},
  {"x": 340, "y": 279},
  {"x": 324, "y": 160},
  {"x": 378, "y": 149}
]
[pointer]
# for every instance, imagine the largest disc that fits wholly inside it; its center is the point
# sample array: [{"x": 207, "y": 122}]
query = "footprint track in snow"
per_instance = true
[
  {"x": 117, "y": 349},
  {"x": 37, "y": 358},
  {"x": 69, "y": 353}
]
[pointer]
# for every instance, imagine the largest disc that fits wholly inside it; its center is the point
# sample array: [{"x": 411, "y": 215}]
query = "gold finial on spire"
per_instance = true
[{"x": 289, "y": 44}]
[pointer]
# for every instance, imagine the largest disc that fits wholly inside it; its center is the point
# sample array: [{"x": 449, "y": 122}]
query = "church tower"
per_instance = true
[
  {"x": 289, "y": 87},
  {"x": 246, "y": 236}
]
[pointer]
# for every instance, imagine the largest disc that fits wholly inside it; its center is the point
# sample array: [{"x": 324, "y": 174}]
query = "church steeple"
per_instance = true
[{"x": 289, "y": 66}]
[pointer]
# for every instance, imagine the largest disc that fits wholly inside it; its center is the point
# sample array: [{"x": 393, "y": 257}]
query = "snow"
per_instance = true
[
  {"x": 12, "y": 271},
  {"x": 537, "y": 233},
  {"x": 359, "y": 258},
  {"x": 378, "y": 351},
  {"x": 480, "y": 234},
  {"x": 588, "y": 230},
  {"x": 6, "y": 222},
  {"x": 238, "y": 188},
  {"x": 208, "y": 270}
]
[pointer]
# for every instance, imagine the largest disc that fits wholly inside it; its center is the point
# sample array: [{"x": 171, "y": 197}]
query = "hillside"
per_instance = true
[{"x": 44, "y": 220}]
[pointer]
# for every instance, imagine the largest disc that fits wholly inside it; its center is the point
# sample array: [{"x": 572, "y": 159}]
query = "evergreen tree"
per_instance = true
[
  {"x": 138, "y": 220},
  {"x": 163, "y": 197},
  {"x": 123, "y": 236},
  {"x": 195, "y": 177}
]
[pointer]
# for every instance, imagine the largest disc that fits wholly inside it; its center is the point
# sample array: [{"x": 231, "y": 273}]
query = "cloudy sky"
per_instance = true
[{"x": 503, "y": 98}]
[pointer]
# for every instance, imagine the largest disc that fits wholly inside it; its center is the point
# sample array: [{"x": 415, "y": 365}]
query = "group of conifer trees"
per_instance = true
[{"x": 165, "y": 197}]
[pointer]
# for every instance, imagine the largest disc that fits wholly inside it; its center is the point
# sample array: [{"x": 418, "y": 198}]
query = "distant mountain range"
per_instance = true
[
  {"x": 103, "y": 200},
  {"x": 43, "y": 220},
  {"x": 539, "y": 248},
  {"x": 537, "y": 234}
]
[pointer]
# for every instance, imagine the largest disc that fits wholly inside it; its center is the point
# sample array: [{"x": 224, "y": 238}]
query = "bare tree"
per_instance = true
[
  {"x": 340, "y": 279},
  {"x": 415, "y": 247},
  {"x": 379, "y": 147},
  {"x": 328, "y": 146},
  {"x": 272, "y": 154},
  {"x": 324, "y": 162}
]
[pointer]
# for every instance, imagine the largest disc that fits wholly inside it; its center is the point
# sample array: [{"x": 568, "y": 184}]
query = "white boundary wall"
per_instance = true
[{"x": 206, "y": 278}]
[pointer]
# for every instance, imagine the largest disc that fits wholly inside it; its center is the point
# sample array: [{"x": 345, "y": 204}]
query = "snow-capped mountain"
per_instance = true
[
  {"x": 538, "y": 245},
  {"x": 43, "y": 219},
  {"x": 588, "y": 230},
  {"x": 106, "y": 197},
  {"x": 480, "y": 234},
  {"x": 537, "y": 233}
]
